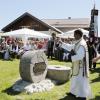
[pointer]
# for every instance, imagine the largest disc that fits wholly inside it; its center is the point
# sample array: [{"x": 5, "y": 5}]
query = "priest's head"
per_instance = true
[{"x": 78, "y": 34}]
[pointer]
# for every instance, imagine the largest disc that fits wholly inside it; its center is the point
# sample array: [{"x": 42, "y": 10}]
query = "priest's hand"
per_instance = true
[{"x": 72, "y": 52}]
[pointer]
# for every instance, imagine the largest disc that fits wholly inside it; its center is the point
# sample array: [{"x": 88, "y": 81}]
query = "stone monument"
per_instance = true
[
  {"x": 33, "y": 70},
  {"x": 33, "y": 66}
]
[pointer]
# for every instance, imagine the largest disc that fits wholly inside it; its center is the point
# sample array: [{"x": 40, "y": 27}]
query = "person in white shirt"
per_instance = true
[
  {"x": 27, "y": 47},
  {"x": 80, "y": 87}
]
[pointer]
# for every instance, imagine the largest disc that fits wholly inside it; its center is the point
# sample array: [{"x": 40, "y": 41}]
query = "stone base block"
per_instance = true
[{"x": 59, "y": 73}]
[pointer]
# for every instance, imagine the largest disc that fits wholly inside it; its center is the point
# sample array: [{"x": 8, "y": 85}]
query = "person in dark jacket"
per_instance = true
[
  {"x": 92, "y": 53},
  {"x": 51, "y": 46}
]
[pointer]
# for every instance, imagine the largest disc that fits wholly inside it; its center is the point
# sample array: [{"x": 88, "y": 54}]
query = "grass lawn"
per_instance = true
[{"x": 9, "y": 74}]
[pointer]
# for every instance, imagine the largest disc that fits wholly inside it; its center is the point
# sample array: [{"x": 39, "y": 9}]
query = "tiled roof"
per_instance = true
[{"x": 81, "y": 22}]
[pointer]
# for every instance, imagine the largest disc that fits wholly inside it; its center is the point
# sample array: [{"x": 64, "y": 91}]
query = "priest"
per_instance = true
[{"x": 80, "y": 87}]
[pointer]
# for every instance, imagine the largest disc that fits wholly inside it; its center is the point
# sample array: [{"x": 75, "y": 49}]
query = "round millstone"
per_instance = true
[
  {"x": 59, "y": 73},
  {"x": 33, "y": 66}
]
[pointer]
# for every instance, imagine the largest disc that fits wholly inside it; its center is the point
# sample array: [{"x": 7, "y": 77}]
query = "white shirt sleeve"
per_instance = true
[
  {"x": 67, "y": 46},
  {"x": 79, "y": 54}
]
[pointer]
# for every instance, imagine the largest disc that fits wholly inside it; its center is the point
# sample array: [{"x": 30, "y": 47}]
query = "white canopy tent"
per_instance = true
[
  {"x": 70, "y": 34},
  {"x": 26, "y": 33}
]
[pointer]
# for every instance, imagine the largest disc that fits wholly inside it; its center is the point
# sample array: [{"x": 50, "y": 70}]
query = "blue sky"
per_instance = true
[{"x": 48, "y": 9}]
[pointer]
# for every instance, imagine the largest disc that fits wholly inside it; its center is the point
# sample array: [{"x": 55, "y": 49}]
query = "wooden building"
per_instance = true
[
  {"x": 29, "y": 21},
  {"x": 47, "y": 25}
]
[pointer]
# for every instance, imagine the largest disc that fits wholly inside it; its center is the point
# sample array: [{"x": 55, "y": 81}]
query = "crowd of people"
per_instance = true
[
  {"x": 54, "y": 49},
  {"x": 11, "y": 48},
  {"x": 14, "y": 48}
]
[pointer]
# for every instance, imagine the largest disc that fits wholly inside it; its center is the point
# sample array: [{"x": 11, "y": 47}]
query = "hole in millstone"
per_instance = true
[{"x": 39, "y": 68}]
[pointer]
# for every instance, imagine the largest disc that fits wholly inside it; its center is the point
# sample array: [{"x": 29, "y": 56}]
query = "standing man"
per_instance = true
[
  {"x": 92, "y": 53},
  {"x": 51, "y": 46},
  {"x": 80, "y": 87}
]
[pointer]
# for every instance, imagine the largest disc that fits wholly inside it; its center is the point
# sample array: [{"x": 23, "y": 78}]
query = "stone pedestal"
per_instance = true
[
  {"x": 59, "y": 73},
  {"x": 33, "y": 66},
  {"x": 23, "y": 86}
]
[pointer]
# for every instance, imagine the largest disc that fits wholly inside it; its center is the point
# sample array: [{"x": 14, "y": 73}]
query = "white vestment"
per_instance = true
[{"x": 80, "y": 86}]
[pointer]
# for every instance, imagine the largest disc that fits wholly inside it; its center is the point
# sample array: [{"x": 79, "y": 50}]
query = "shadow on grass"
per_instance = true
[
  {"x": 97, "y": 98},
  {"x": 6, "y": 59},
  {"x": 10, "y": 91},
  {"x": 68, "y": 98},
  {"x": 73, "y": 98},
  {"x": 97, "y": 70},
  {"x": 96, "y": 79}
]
